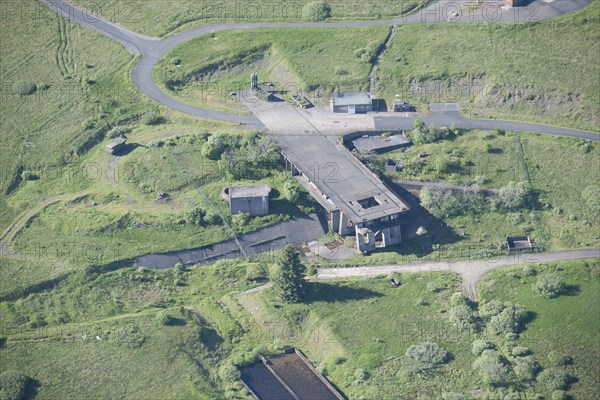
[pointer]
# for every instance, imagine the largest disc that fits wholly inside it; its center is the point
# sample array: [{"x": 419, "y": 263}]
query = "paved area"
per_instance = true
[
  {"x": 297, "y": 231},
  {"x": 470, "y": 271}
]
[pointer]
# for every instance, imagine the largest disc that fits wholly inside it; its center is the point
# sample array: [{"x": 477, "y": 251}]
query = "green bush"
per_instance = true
[
  {"x": 549, "y": 286},
  {"x": 513, "y": 196},
  {"x": 256, "y": 272},
  {"x": 442, "y": 202},
  {"x": 152, "y": 118},
  {"x": 591, "y": 197},
  {"x": 240, "y": 220},
  {"x": 526, "y": 368},
  {"x": 480, "y": 345},
  {"x": 461, "y": 316},
  {"x": 557, "y": 359},
  {"x": 508, "y": 321},
  {"x": 453, "y": 396},
  {"x": 229, "y": 373},
  {"x": 559, "y": 395},
  {"x": 14, "y": 385},
  {"x": 491, "y": 368},
  {"x": 212, "y": 218},
  {"x": 425, "y": 356},
  {"x": 554, "y": 379},
  {"x": 316, "y": 11},
  {"x": 28, "y": 176},
  {"x": 196, "y": 216},
  {"x": 24, "y": 88},
  {"x": 214, "y": 147},
  {"x": 163, "y": 318},
  {"x": 490, "y": 308},
  {"x": 520, "y": 351}
]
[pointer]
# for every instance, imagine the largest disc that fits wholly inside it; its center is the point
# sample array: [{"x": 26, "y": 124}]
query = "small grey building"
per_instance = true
[
  {"x": 253, "y": 200},
  {"x": 115, "y": 145},
  {"x": 351, "y": 103}
]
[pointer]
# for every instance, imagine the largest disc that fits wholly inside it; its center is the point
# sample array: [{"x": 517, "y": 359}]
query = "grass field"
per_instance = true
[
  {"x": 541, "y": 72},
  {"x": 81, "y": 91},
  {"x": 159, "y": 17},
  {"x": 366, "y": 324},
  {"x": 205, "y": 70},
  {"x": 92, "y": 329},
  {"x": 568, "y": 324}
]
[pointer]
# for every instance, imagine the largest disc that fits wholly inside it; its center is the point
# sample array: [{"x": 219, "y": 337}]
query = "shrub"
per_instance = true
[
  {"x": 458, "y": 299},
  {"x": 212, "y": 218},
  {"x": 14, "y": 385},
  {"x": 490, "y": 308},
  {"x": 453, "y": 396},
  {"x": 554, "y": 379},
  {"x": 316, "y": 11},
  {"x": 491, "y": 368},
  {"x": 529, "y": 271},
  {"x": 196, "y": 216},
  {"x": 513, "y": 196},
  {"x": 508, "y": 321},
  {"x": 549, "y": 286},
  {"x": 461, "y": 316},
  {"x": 559, "y": 395},
  {"x": 255, "y": 272},
  {"x": 28, "y": 176},
  {"x": 556, "y": 359},
  {"x": 526, "y": 368},
  {"x": 229, "y": 373},
  {"x": 214, "y": 147},
  {"x": 152, "y": 118},
  {"x": 43, "y": 86},
  {"x": 23, "y": 88},
  {"x": 163, "y": 318},
  {"x": 520, "y": 351},
  {"x": 240, "y": 220},
  {"x": 425, "y": 356},
  {"x": 442, "y": 202},
  {"x": 480, "y": 345}
]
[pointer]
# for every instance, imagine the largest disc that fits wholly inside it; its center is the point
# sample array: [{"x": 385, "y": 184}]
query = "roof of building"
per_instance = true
[
  {"x": 249, "y": 191},
  {"x": 116, "y": 142},
  {"x": 374, "y": 143},
  {"x": 346, "y": 99}
]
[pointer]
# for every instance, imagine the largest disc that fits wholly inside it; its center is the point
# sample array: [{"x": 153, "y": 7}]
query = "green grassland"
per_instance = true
[
  {"x": 101, "y": 333},
  {"x": 568, "y": 324},
  {"x": 542, "y": 72},
  {"x": 366, "y": 324},
  {"x": 204, "y": 70},
  {"x": 159, "y": 18},
  {"x": 82, "y": 90}
]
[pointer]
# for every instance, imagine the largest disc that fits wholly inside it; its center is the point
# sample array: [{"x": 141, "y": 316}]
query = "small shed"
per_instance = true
[
  {"x": 392, "y": 165},
  {"x": 516, "y": 244},
  {"x": 351, "y": 103},
  {"x": 253, "y": 200},
  {"x": 115, "y": 145},
  {"x": 401, "y": 106}
]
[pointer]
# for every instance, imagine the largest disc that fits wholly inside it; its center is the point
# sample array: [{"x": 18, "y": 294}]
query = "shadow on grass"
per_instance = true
[{"x": 329, "y": 293}]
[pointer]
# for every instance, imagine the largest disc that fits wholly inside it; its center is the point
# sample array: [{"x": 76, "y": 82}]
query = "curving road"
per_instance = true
[{"x": 152, "y": 50}]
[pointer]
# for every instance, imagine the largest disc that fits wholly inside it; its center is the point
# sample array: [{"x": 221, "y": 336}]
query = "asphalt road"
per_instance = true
[{"x": 152, "y": 50}]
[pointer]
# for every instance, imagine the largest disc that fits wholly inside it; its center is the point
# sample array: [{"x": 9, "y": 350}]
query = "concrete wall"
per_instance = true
[
  {"x": 255, "y": 206},
  {"x": 360, "y": 108}
]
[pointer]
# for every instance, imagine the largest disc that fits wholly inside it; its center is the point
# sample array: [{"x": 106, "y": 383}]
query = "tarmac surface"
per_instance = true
[{"x": 269, "y": 239}]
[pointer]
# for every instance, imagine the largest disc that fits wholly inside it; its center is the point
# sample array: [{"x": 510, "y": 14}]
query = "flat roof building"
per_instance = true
[
  {"x": 253, "y": 200},
  {"x": 352, "y": 102}
]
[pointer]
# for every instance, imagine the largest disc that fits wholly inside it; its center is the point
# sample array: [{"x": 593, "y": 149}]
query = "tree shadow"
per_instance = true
[
  {"x": 329, "y": 293},
  {"x": 570, "y": 290}
]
